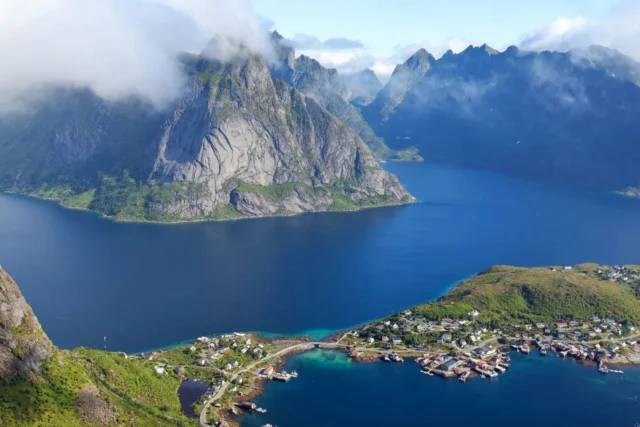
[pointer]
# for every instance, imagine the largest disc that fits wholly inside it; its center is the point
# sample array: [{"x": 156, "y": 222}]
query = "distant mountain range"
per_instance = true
[
  {"x": 332, "y": 91},
  {"x": 569, "y": 118}
]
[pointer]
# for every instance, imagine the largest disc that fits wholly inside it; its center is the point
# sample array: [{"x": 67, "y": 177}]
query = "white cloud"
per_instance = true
[
  {"x": 117, "y": 48},
  {"x": 619, "y": 30}
]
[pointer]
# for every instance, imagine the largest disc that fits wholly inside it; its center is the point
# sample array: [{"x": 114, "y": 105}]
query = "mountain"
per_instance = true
[
  {"x": 326, "y": 87},
  {"x": 238, "y": 143},
  {"x": 404, "y": 78},
  {"x": 363, "y": 86},
  {"x": 548, "y": 116}
]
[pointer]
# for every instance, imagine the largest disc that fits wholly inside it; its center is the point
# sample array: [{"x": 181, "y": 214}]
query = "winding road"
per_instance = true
[{"x": 221, "y": 390}]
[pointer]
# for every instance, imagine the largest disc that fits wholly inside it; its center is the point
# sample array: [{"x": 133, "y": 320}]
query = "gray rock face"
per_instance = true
[
  {"x": 24, "y": 347},
  {"x": 243, "y": 127},
  {"x": 325, "y": 86}
]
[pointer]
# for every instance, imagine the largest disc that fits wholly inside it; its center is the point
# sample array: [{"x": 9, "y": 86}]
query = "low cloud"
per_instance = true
[
  {"x": 618, "y": 29},
  {"x": 307, "y": 42},
  {"x": 117, "y": 48}
]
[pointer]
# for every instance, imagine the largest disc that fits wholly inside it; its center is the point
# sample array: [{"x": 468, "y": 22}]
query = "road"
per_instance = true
[{"x": 221, "y": 390}]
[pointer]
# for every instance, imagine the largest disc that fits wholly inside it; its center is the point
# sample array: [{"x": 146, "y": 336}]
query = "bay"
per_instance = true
[
  {"x": 146, "y": 286},
  {"x": 331, "y": 390}
]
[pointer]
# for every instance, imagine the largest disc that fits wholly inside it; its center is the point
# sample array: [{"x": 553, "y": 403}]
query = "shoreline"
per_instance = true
[
  {"x": 102, "y": 215},
  {"x": 258, "y": 388}
]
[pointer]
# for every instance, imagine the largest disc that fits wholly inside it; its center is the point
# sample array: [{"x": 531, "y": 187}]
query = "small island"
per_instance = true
[{"x": 587, "y": 312}]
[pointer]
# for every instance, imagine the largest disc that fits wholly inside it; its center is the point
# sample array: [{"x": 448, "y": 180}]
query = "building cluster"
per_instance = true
[{"x": 618, "y": 272}]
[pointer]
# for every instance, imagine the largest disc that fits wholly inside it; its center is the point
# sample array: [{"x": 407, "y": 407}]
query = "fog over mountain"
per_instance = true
[{"x": 117, "y": 48}]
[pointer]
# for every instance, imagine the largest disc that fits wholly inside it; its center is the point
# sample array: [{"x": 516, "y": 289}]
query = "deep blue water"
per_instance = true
[
  {"x": 146, "y": 286},
  {"x": 536, "y": 391}
]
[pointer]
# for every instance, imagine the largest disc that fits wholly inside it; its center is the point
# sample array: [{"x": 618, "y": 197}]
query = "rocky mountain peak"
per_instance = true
[
  {"x": 404, "y": 78},
  {"x": 421, "y": 60},
  {"x": 276, "y": 36},
  {"x": 512, "y": 50},
  {"x": 485, "y": 49},
  {"x": 24, "y": 347}
]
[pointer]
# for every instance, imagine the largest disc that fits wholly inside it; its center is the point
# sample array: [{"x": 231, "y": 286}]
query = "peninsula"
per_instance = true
[{"x": 587, "y": 311}]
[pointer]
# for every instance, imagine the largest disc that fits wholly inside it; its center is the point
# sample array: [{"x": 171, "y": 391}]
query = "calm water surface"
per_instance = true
[
  {"x": 332, "y": 391},
  {"x": 146, "y": 286}
]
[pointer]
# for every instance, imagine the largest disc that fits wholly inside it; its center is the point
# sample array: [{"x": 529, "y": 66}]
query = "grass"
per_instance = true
[
  {"x": 124, "y": 198},
  {"x": 130, "y": 387},
  {"x": 274, "y": 192},
  {"x": 81, "y": 201},
  {"x": 509, "y": 296}
]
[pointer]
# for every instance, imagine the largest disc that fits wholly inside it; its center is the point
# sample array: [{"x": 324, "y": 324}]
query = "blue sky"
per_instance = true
[
  {"x": 383, "y": 24},
  {"x": 392, "y": 28}
]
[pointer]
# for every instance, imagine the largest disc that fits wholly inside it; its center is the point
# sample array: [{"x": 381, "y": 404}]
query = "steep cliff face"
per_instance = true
[
  {"x": 326, "y": 87},
  {"x": 256, "y": 143},
  {"x": 24, "y": 347}
]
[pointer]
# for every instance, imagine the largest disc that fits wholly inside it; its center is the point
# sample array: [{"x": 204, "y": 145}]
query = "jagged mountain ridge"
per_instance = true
[
  {"x": 560, "y": 117},
  {"x": 326, "y": 86},
  {"x": 238, "y": 143}
]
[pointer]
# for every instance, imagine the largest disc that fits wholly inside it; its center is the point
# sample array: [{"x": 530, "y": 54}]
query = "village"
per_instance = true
[
  {"x": 466, "y": 346},
  {"x": 229, "y": 365}
]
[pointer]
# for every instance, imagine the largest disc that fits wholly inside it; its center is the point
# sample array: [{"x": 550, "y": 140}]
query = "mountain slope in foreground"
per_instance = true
[{"x": 239, "y": 143}]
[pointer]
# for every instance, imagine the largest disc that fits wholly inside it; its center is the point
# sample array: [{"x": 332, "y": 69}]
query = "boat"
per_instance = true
[
  {"x": 525, "y": 349},
  {"x": 614, "y": 371},
  {"x": 603, "y": 369},
  {"x": 294, "y": 374},
  {"x": 543, "y": 352},
  {"x": 385, "y": 358}
]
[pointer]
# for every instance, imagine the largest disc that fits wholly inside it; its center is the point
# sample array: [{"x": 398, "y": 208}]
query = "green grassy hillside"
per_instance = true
[
  {"x": 90, "y": 387},
  {"x": 506, "y": 295}
]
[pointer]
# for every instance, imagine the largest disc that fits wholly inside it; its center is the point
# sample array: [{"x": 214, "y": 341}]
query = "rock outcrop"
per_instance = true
[{"x": 24, "y": 346}]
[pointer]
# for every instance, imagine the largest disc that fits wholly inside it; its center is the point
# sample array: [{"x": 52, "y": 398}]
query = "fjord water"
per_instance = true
[
  {"x": 146, "y": 286},
  {"x": 536, "y": 391}
]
